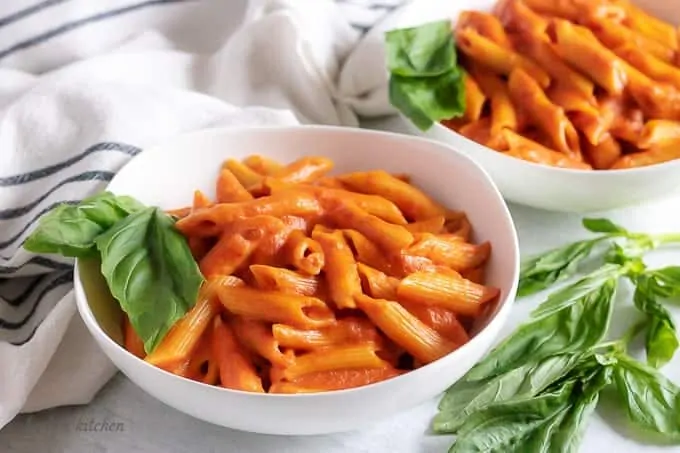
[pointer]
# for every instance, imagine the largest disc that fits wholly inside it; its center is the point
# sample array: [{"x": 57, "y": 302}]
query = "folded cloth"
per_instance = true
[{"x": 85, "y": 86}]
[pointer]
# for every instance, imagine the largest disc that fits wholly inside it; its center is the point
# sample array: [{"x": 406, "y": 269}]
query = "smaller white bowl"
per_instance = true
[
  {"x": 167, "y": 175},
  {"x": 540, "y": 186}
]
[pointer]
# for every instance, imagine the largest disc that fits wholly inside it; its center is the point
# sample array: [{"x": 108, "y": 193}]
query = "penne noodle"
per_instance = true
[
  {"x": 579, "y": 47},
  {"x": 263, "y": 165},
  {"x": 413, "y": 202},
  {"x": 237, "y": 372},
  {"x": 450, "y": 251},
  {"x": 229, "y": 189},
  {"x": 503, "y": 115},
  {"x": 537, "y": 47},
  {"x": 659, "y": 133},
  {"x": 365, "y": 251},
  {"x": 441, "y": 320},
  {"x": 350, "y": 330},
  {"x": 523, "y": 148},
  {"x": 516, "y": 16},
  {"x": 613, "y": 35},
  {"x": 377, "y": 284},
  {"x": 446, "y": 291},
  {"x": 485, "y": 24},
  {"x": 432, "y": 225},
  {"x": 583, "y": 114},
  {"x": 185, "y": 334},
  {"x": 304, "y": 253},
  {"x": 548, "y": 117},
  {"x": 202, "y": 365},
  {"x": 502, "y": 61},
  {"x": 386, "y": 236},
  {"x": 270, "y": 278},
  {"x": 200, "y": 201},
  {"x": 258, "y": 338},
  {"x": 567, "y": 9},
  {"x": 376, "y": 205},
  {"x": 480, "y": 131},
  {"x": 603, "y": 155},
  {"x": 653, "y": 156},
  {"x": 336, "y": 380},
  {"x": 305, "y": 170},
  {"x": 271, "y": 306},
  {"x": 330, "y": 183},
  {"x": 340, "y": 269},
  {"x": 337, "y": 358},
  {"x": 229, "y": 254},
  {"x": 474, "y": 98},
  {"x": 650, "y": 26},
  {"x": 475, "y": 275},
  {"x": 211, "y": 221},
  {"x": 246, "y": 176},
  {"x": 419, "y": 340},
  {"x": 649, "y": 65}
]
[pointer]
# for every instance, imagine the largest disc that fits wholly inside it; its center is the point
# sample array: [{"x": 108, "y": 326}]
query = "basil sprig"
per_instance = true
[
  {"x": 426, "y": 84},
  {"x": 535, "y": 390},
  {"x": 146, "y": 262}
]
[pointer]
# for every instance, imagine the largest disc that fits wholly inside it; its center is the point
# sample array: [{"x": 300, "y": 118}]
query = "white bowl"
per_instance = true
[
  {"x": 540, "y": 186},
  {"x": 167, "y": 175}
]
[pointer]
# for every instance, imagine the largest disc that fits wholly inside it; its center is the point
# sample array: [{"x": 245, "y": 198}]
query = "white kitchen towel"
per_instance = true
[{"x": 85, "y": 86}]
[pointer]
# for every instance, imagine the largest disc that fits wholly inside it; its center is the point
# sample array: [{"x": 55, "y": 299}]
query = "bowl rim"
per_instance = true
[
  {"x": 504, "y": 304},
  {"x": 615, "y": 173}
]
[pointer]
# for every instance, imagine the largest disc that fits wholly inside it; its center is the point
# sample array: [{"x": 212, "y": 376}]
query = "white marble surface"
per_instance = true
[{"x": 138, "y": 423}]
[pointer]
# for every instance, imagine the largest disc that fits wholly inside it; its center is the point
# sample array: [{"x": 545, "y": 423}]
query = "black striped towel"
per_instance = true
[{"x": 84, "y": 86}]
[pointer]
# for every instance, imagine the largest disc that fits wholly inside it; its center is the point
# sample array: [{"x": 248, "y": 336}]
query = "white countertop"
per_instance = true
[{"x": 122, "y": 418}]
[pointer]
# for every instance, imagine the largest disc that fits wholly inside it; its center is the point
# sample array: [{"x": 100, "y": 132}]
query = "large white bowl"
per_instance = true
[
  {"x": 541, "y": 186},
  {"x": 167, "y": 175}
]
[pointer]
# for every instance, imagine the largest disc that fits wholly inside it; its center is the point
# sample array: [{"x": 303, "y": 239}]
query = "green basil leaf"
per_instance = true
[
  {"x": 70, "y": 230},
  {"x": 568, "y": 437},
  {"x": 579, "y": 325},
  {"x": 666, "y": 281},
  {"x": 505, "y": 427},
  {"x": 651, "y": 400},
  {"x": 603, "y": 226},
  {"x": 661, "y": 341},
  {"x": 425, "y": 100},
  {"x": 423, "y": 51},
  {"x": 464, "y": 398},
  {"x": 542, "y": 271},
  {"x": 150, "y": 270},
  {"x": 583, "y": 290}
]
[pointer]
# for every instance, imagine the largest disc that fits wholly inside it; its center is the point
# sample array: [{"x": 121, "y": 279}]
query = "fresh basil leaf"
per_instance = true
[
  {"x": 150, "y": 270},
  {"x": 651, "y": 400},
  {"x": 70, "y": 230},
  {"x": 505, "y": 427},
  {"x": 661, "y": 341},
  {"x": 603, "y": 226},
  {"x": 542, "y": 271},
  {"x": 666, "y": 281},
  {"x": 425, "y": 100},
  {"x": 585, "y": 289},
  {"x": 579, "y": 325},
  {"x": 423, "y": 51},
  {"x": 568, "y": 437},
  {"x": 464, "y": 398}
]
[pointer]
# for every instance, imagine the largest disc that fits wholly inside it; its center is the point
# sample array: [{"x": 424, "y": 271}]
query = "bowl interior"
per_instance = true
[{"x": 167, "y": 176}]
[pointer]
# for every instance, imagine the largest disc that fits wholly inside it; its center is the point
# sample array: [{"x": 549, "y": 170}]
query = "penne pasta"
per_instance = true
[
  {"x": 360, "y": 356},
  {"x": 304, "y": 253},
  {"x": 271, "y": 278},
  {"x": 446, "y": 291},
  {"x": 650, "y": 26},
  {"x": 474, "y": 98},
  {"x": 229, "y": 189},
  {"x": 424, "y": 343},
  {"x": 659, "y": 133},
  {"x": 335, "y": 380},
  {"x": 432, "y": 225},
  {"x": 603, "y": 155},
  {"x": 305, "y": 170},
  {"x": 263, "y": 165},
  {"x": 649, "y": 65},
  {"x": 377, "y": 284},
  {"x": 516, "y": 16},
  {"x": 245, "y": 175},
  {"x": 258, "y": 338},
  {"x": 340, "y": 269},
  {"x": 653, "y": 156},
  {"x": 365, "y": 251},
  {"x": 485, "y": 24},
  {"x": 202, "y": 365},
  {"x": 441, "y": 320},
  {"x": 579, "y": 47},
  {"x": 236, "y": 370},
  {"x": 502, "y": 61},
  {"x": 271, "y": 306},
  {"x": 567, "y": 9},
  {"x": 350, "y": 330},
  {"x": 614, "y": 34},
  {"x": 450, "y": 251},
  {"x": 132, "y": 342},
  {"x": 503, "y": 114},
  {"x": 388, "y": 237},
  {"x": 529, "y": 150},
  {"x": 550, "y": 118}
]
